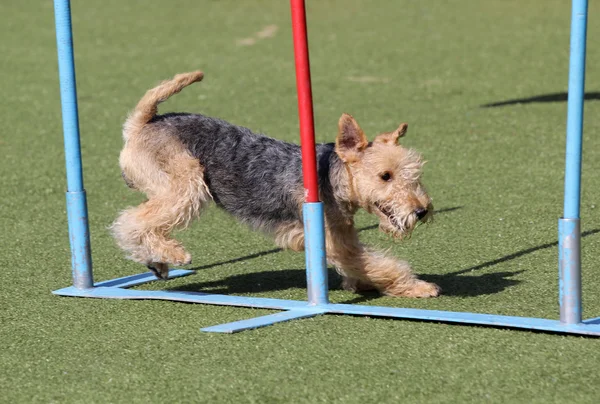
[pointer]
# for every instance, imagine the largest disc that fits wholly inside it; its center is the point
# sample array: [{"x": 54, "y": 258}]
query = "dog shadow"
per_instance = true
[
  {"x": 278, "y": 280},
  {"x": 257, "y": 282}
]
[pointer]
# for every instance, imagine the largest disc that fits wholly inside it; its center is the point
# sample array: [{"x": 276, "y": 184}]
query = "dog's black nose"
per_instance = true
[{"x": 421, "y": 213}]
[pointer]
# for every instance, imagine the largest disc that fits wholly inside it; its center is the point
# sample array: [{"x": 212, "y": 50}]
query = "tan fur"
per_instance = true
[
  {"x": 361, "y": 267},
  {"x": 147, "y": 107},
  {"x": 172, "y": 179},
  {"x": 402, "y": 194},
  {"x": 392, "y": 137},
  {"x": 290, "y": 236}
]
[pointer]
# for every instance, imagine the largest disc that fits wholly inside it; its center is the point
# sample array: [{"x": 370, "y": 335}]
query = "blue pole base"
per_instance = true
[
  {"x": 79, "y": 239},
  {"x": 314, "y": 246},
  {"x": 294, "y": 309},
  {"x": 569, "y": 268}
]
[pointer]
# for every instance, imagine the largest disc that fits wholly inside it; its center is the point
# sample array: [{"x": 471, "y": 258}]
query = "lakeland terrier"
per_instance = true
[{"x": 183, "y": 161}]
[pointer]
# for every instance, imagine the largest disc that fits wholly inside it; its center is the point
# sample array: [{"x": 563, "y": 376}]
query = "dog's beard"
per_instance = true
[{"x": 395, "y": 222}]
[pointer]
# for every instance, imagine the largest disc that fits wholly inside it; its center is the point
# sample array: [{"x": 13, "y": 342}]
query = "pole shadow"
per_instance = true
[
  {"x": 456, "y": 284},
  {"x": 553, "y": 97}
]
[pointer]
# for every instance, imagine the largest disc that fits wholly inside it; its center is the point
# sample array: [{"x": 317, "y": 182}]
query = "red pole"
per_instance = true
[{"x": 305, "y": 105}]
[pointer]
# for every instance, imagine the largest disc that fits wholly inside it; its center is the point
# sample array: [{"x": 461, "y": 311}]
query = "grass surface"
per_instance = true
[{"x": 496, "y": 171}]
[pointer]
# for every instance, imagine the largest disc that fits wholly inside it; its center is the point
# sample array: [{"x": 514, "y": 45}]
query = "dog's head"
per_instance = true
[{"x": 384, "y": 177}]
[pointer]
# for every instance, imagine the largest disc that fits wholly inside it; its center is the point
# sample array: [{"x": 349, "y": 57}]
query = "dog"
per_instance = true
[{"x": 183, "y": 161}]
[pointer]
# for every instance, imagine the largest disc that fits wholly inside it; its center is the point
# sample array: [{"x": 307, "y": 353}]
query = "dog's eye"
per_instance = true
[{"x": 386, "y": 176}]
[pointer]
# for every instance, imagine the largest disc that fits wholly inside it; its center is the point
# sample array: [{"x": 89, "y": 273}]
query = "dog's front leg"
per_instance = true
[{"x": 363, "y": 268}]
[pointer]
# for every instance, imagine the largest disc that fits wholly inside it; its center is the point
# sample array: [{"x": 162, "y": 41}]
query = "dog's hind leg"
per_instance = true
[
  {"x": 153, "y": 161},
  {"x": 176, "y": 194}
]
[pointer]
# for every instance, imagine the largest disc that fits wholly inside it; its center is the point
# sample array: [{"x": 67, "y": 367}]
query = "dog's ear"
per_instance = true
[
  {"x": 351, "y": 140},
  {"x": 392, "y": 137}
]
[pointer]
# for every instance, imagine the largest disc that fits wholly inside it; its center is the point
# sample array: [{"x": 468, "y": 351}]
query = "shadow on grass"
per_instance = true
[
  {"x": 518, "y": 254},
  {"x": 455, "y": 283},
  {"x": 256, "y": 282},
  {"x": 554, "y": 97},
  {"x": 277, "y": 280},
  {"x": 459, "y": 285}
]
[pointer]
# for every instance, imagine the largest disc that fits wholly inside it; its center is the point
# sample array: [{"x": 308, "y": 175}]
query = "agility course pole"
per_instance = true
[
  {"x": 569, "y": 232},
  {"x": 570, "y": 300},
  {"x": 313, "y": 215},
  {"x": 79, "y": 235}
]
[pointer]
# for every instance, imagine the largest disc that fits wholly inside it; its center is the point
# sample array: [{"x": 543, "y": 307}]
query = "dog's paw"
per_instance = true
[
  {"x": 188, "y": 259},
  {"x": 174, "y": 256},
  {"x": 159, "y": 269},
  {"x": 418, "y": 288},
  {"x": 179, "y": 257},
  {"x": 424, "y": 289}
]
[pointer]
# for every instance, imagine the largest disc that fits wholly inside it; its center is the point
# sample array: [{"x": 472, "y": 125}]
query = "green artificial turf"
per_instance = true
[{"x": 495, "y": 173}]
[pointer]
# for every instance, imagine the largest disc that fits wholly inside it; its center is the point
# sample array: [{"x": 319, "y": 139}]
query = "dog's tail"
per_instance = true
[{"x": 147, "y": 107}]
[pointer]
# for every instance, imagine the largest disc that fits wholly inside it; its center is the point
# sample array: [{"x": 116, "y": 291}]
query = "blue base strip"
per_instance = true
[
  {"x": 140, "y": 279},
  {"x": 181, "y": 296},
  {"x": 592, "y": 321},
  {"x": 529, "y": 323},
  {"x": 114, "y": 289},
  {"x": 264, "y": 321}
]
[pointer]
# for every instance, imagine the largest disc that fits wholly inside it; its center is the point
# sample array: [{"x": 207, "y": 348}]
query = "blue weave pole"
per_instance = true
[
  {"x": 79, "y": 236},
  {"x": 569, "y": 233}
]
